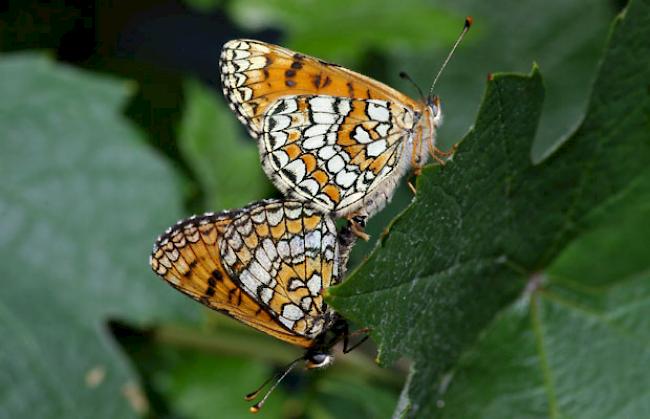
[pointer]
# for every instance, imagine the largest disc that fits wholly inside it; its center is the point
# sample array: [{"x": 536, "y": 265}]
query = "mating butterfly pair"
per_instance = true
[{"x": 336, "y": 144}]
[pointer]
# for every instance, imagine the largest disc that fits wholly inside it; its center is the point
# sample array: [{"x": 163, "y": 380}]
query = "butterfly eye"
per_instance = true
[
  {"x": 434, "y": 104},
  {"x": 361, "y": 220}
]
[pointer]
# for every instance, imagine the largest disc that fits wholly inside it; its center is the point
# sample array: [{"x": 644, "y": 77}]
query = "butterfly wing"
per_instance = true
[
  {"x": 196, "y": 257},
  {"x": 254, "y": 75},
  {"x": 332, "y": 151},
  {"x": 284, "y": 254}
]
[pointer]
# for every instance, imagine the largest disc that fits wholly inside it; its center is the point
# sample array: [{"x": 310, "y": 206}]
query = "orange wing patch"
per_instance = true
[
  {"x": 255, "y": 74},
  {"x": 265, "y": 265}
]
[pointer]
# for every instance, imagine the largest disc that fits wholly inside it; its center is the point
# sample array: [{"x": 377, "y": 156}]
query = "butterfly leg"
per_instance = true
[
  {"x": 341, "y": 331},
  {"x": 417, "y": 171},
  {"x": 357, "y": 223},
  {"x": 411, "y": 187},
  {"x": 416, "y": 162},
  {"x": 438, "y": 155},
  {"x": 346, "y": 339}
]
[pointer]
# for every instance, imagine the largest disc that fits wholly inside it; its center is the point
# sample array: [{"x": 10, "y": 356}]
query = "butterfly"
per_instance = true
[
  {"x": 328, "y": 135},
  {"x": 265, "y": 265}
]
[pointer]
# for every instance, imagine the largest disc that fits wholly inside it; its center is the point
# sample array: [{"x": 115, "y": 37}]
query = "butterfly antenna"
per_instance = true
[
  {"x": 278, "y": 378},
  {"x": 404, "y": 75},
  {"x": 468, "y": 24}
]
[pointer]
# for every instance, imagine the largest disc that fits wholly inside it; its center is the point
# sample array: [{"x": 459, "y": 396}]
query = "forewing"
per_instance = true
[
  {"x": 254, "y": 75},
  {"x": 334, "y": 151},
  {"x": 284, "y": 254}
]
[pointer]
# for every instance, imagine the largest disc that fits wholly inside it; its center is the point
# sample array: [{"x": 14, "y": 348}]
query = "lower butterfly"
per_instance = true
[
  {"x": 265, "y": 265},
  {"x": 328, "y": 135}
]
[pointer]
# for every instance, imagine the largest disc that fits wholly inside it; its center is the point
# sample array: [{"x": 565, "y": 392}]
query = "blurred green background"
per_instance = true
[{"x": 152, "y": 66}]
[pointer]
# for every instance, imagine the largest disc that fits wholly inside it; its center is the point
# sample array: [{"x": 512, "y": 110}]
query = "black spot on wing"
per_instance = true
[
  {"x": 290, "y": 175},
  {"x": 316, "y": 81},
  {"x": 272, "y": 124},
  {"x": 281, "y": 107},
  {"x": 350, "y": 89},
  {"x": 275, "y": 158},
  {"x": 191, "y": 266},
  {"x": 328, "y": 64}
]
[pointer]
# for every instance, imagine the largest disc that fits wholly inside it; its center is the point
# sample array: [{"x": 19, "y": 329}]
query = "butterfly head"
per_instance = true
[
  {"x": 320, "y": 354},
  {"x": 434, "y": 111},
  {"x": 319, "y": 359}
]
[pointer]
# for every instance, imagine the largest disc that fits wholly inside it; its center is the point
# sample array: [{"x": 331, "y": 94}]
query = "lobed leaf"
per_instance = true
[
  {"x": 483, "y": 230},
  {"x": 81, "y": 201}
]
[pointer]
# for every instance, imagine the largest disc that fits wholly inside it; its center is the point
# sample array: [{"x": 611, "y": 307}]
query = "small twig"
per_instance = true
[{"x": 239, "y": 341}]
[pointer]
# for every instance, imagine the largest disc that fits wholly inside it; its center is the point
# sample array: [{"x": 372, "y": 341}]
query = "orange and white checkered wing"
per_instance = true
[
  {"x": 254, "y": 75},
  {"x": 285, "y": 254},
  {"x": 337, "y": 153},
  {"x": 265, "y": 265}
]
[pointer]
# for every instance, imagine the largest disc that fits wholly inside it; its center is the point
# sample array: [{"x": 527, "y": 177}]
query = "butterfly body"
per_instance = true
[{"x": 326, "y": 135}]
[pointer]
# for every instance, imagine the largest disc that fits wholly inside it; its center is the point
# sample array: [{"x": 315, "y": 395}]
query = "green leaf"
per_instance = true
[
  {"x": 575, "y": 346},
  {"x": 483, "y": 230},
  {"x": 81, "y": 201},
  {"x": 565, "y": 37},
  {"x": 200, "y": 391},
  {"x": 224, "y": 159},
  {"x": 346, "y": 396},
  {"x": 201, "y": 385}
]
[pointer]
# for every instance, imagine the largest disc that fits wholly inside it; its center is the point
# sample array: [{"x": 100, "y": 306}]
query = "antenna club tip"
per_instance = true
[
  {"x": 403, "y": 74},
  {"x": 250, "y": 396},
  {"x": 254, "y": 409},
  {"x": 468, "y": 22}
]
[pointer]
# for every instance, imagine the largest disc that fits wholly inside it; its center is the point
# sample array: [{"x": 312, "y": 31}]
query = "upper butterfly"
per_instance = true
[{"x": 328, "y": 135}]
